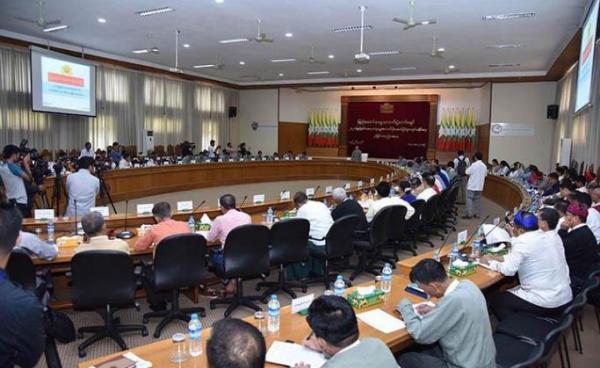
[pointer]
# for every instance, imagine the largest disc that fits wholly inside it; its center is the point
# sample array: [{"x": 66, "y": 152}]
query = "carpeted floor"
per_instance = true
[{"x": 68, "y": 352}]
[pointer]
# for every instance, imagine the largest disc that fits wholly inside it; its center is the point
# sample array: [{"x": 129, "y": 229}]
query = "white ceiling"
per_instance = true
[{"x": 460, "y": 30}]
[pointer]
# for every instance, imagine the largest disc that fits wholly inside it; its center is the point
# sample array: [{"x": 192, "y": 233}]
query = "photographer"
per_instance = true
[
  {"x": 14, "y": 177},
  {"x": 82, "y": 187}
]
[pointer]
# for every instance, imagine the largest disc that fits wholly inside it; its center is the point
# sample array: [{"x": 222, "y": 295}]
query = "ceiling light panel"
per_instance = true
[
  {"x": 506, "y": 46},
  {"x": 56, "y": 28},
  {"x": 317, "y": 73},
  {"x": 509, "y": 16},
  {"x": 353, "y": 28},
  {"x": 503, "y": 65},
  {"x": 145, "y": 13},
  {"x": 283, "y": 60},
  {"x": 404, "y": 68},
  {"x": 204, "y": 66},
  {"x": 384, "y": 53},
  {"x": 141, "y": 51},
  {"x": 234, "y": 40}
]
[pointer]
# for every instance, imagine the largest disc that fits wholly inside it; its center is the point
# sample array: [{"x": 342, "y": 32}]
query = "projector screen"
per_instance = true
[
  {"x": 62, "y": 84},
  {"x": 586, "y": 58}
]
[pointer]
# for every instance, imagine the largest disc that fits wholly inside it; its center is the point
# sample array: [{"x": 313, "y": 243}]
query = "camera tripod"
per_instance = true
[{"x": 104, "y": 191}]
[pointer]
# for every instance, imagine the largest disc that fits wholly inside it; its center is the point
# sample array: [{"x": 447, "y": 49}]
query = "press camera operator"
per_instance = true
[
  {"x": 15, "y": 171},
  {"x": 82, "y": 187}
]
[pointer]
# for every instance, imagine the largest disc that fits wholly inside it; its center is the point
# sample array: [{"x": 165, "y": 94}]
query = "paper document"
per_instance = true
[
  {"x": 288, "y": 354},
  {"x": 381, "y": 321}
]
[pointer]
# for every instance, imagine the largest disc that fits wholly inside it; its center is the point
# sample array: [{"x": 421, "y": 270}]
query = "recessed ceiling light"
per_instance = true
[
  {"x": 186, "y": 45},
  {"x": 219, "y": 1},
  {"x": 503, "y": 65},
  {"x": 331, "y": 56},
  {"x": 353, "y": 28},
  {"x": 242, "y": 63},
  {"x": 317, "y": 73},
  {"x": 145, "y": 13},
  {"x": 289, "y": 34},
  {"x": 403, "y": 68},
  {"x": 441, "y": 49},
  {"x": 451, "y": 67},
  {"x": 282, "y": 60},
  {"x": 509, "y": 16},
  {"x": 506, "y": 46},
  {"x": 141, "y": 51},
  {"x": 389, "y": 52},
  {"x": 281, "y": 74},
  {"x": 359, "y": 70},
  {"x": 204, "y": 66},
  {"x": 101, "y": 20},
  {"x": 56, "y": 28},
  {"x": 235, "y": 40}
]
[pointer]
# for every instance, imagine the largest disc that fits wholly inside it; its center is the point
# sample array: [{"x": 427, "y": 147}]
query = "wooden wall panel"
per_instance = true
[{"x": 292, "y": 137}]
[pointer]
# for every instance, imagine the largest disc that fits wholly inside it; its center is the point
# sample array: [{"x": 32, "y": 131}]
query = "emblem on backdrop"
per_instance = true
[{"x": 386, "y": 108}]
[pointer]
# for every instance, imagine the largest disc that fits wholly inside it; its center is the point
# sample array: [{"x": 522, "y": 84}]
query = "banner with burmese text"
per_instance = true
[{"x": 389, "y": 129}]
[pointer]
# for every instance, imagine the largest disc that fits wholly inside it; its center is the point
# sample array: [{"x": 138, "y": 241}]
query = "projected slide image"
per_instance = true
[
  {"x": 586, "y": 59},
  {"x": 65, "y": 84}
]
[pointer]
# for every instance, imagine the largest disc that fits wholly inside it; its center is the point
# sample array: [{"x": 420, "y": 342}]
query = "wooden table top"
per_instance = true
[{"x": 294, "y": 327}]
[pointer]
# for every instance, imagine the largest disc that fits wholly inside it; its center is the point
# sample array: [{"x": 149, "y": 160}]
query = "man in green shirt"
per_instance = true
[{"x": 458, "y": 327}]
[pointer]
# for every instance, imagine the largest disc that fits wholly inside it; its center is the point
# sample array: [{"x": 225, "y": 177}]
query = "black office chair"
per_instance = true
[
  {"x": 338, "y": 246},
  {"x": 370, "y": 252},
  {"x": 179, "y": 262},
  {"x": 20, "y": 270},
  {"x": 245, "y": 256},
  {"x": 414, "y": 225},
  {"x": 288, "y": 244},
  {"x": 104, "y": 279},
  {"x": 397, "y": 232},
  {"x": 429, "y": 217},
  {"x": 514, "y": 352}
]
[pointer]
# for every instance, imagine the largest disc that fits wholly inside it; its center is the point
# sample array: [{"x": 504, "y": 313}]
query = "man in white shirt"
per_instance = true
[
  {"x": 593, "y": 217},
  {"x": 461, "y": 163},
  {"x": 319, "y": 217},
  {"x": 125, "y": 163},
  {"x": 82, "y": 187},
  {"x": 385, "y": 200},
  {"x": 87, "y": 151},
  {"x": 477, "y": 173},
  {"x": 538, "y": 257},
  {"x": 428, "y": 192},
  {"x": 211, "y": 150}
]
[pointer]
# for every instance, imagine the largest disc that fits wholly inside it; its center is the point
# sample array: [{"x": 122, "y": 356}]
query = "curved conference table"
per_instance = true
[{"x": 294, "y": 328}]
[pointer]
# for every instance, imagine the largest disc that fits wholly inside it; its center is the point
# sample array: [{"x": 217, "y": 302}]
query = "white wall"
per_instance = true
[
  {"x": 258, "y": 105},
  {"x": 524, "y": 103}
]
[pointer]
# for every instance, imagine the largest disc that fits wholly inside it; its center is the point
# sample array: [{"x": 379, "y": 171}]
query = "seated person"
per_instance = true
[
  {"x": 593, "y": 217},
  {"x": 561, "y": 207},
  {"x": 385, "y": 200},
  {"x": 347, "y": 206},
  {"x": 95, "y": 237},
  {"x": 319, "y": 217},
  {"x": 36, "y": 246},
  {"x": 458, "y": 326},
  {"x": 234, "y": 343},
  {"x": 406, "y": 190},
  {"x": 125, "y": 163},
  {"x": 335, "y": 334},
  {"x": 221, "y": 226},
  {"x": 581, "y": 249},
  {"x": 165, "y": 226},
  {"x": 539, "y": 259},
  {"x": 22, "y": 337},
  {"x": 552, "y": 186},
  {"x": 428, "y": 191},
  {"x": 451, "y": 170}
]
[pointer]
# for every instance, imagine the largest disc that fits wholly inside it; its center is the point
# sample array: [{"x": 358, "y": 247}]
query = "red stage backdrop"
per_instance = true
[{"x": 388, "y": 129}]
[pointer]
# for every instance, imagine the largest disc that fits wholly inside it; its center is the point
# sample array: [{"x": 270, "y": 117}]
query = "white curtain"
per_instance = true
[
  {"x": 128, "y": 103},
  {"x": 583, "y": 128}
]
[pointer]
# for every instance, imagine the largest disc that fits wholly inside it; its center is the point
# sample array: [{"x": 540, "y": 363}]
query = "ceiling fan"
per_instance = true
[
  {"x": 311, "y": 59},
  {"x": 41, "y": 19},
  {"x": 411, "y": 22},
  {"x": 436, "y": 52},
  {"x": 260, "y": 37},
  {"x": 362, "y": 57}
]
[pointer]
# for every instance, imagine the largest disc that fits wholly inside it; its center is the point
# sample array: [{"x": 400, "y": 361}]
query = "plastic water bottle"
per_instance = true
[
  {"x": 273, "y": 316},
  {"x": 51, "y": 231},
  {"x": 325, "y": 202},
  {"x": 192, "y": 224},
  {"x": 386, "y": 278},
  {"x": 195, "y": 330},
  {"x": 454, "y": 254},
  {"x": 392, "y": 192},
  {"x": 339, "y": 286},
  {"x": 270, "y": 215},
  {"x": 476, "y": 249}
]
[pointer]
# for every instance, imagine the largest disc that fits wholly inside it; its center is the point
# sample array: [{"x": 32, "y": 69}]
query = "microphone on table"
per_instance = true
[
  {"x": 243, "y": 201},
  {"x": 125, "y": 234},
  {"x": 478, "y": 226},
  {"x": 317, "y": 189},
  {"x": 75, "y": 204},
  {"x": 436, "y": 254},
  {"x": 198, "y": 207}
]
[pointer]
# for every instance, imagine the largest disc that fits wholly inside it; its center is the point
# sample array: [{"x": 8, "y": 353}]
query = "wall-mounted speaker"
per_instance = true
[
  {"x": 232, "y": 111},
  {"x": 552, "y": 112}
]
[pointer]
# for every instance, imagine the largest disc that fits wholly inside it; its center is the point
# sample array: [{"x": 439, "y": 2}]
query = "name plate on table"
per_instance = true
[
  {"x": 347, "y": 186},
  {"x": 286, "y": 158},
  {"x": 252, "y": 159},
  {"x": 301, "y": 304},
  {"x": 328, "y": 189},
  {"x": 258, "y": 198},
  {"x": 192, "y": 161},
  {"x": 207, "y": 161},
  {"x": 264, "y": 159},
  {"x": 310, "y": 192},
  {"x": 166, "y": 163},
  {"x": 220, "y": 160},
  {"x": 144, "y": 209},
  {"x": 276, "y": 159},
  {"x": 309, "y": 158},
  {"x": 241, "y": 159},
  {"x": 231, "y": 160},
  {"x": 285, "y": 195},
  {"x": 102, "y": 210},
  {"x": 136, "y": 165},
  {"x": 462, "y": 237},
  {"x": 359, "y": 183},
  {"x": 297, "y": 158},
  {"x": 184, "y": 206},
  {"x": 372, "y": 181},
  {"x": 43, "y": 214},
  {"x": 348, "y": 158}
]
